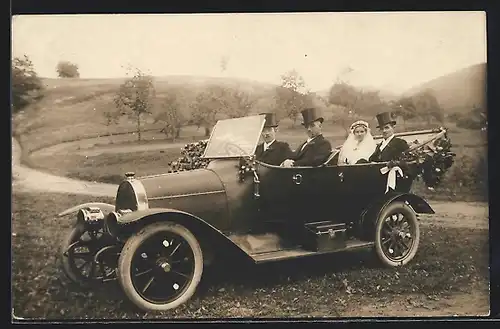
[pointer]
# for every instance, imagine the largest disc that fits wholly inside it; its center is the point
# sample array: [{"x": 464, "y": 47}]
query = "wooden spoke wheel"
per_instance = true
[
  {"x": 160, "y": 267},
  {"x": 397, "y": 235},
  {"x": 87, "y": 257}
]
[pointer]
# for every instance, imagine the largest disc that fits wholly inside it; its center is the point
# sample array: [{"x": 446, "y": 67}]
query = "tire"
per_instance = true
[
  {"x": 68, "y": 260},
  {"x": 67, "y": 265},
  {"x": 396, "y": 214},
  {"x": 136, "y": 253}
]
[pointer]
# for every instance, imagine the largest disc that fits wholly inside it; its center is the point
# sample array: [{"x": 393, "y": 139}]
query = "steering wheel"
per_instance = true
[{"x": 233, "y": 149}]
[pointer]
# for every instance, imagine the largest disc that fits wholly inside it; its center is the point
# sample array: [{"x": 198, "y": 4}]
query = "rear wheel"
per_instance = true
[
  {"x": 160, "y": 267},
  {"x": 397, "y": 235}
]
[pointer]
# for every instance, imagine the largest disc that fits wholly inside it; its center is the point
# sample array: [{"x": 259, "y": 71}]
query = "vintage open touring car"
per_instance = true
[{"x": 164, "y": 229}]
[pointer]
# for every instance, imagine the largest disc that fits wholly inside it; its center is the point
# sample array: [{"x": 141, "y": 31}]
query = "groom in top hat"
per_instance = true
[
  {"x": 315, "y": 150},
  {"x": 391, "y": 146},
  {"x": 271, "y": 151}
]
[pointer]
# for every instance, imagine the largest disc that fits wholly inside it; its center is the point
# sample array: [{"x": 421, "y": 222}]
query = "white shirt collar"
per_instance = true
[
  {"x": 307, "y": 142},
  {"x": 385, "y": 142},
  {"x": 266, "y": 145},
  {"x": 311, "y": 138}
]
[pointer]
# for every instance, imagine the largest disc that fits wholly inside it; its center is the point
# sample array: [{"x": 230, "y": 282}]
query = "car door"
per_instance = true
[
  {"x": 281, "y": 193},
  {"x": 359, "y": 184},
  {"x": 317, "y": 192}
]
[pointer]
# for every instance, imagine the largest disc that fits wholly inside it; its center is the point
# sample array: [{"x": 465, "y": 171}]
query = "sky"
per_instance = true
[{"x": 393, "y": 51}]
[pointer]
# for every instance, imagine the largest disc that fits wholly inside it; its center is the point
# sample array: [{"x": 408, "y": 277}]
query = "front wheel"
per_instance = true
[
  {"x": 160, "y": 267},
  {"x": 397, "y": 235}
]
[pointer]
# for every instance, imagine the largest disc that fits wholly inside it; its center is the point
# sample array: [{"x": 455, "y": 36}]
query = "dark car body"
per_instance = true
[{"x": 218, "y": 201}]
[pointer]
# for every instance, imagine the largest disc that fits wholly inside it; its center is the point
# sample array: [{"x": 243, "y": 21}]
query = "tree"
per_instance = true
[
  {"x": 428, "y": 106},
  {"x": 111, "y": 118},
  {"x": 171, "y": 115},
  {"x": 67, "y": 69},
  {"x": 135, "y": 98},
  {"x": 404, "y": 108},
  {"x": 218, "y": 102},
  {"x": 422, "y": 105},
  {"x": 207, "y": 107},
  {"x": 347, "y": 97},
  {"x": 27, "y": 87},
  {"x": 237, "y": 103},
  {"x": 291, "y": 96}
]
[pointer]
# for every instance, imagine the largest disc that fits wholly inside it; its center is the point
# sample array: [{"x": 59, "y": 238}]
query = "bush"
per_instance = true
[
  {"x": 455, "y": 116},
  {"x": 27, "y": 87},
  {"x": 469, "y": 123},
  {"x": 470, "y": 173}
]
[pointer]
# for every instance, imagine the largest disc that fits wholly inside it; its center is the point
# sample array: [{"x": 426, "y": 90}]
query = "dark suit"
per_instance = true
[
  {"x": 275, "y": 154},
  {"x": 391, "y": 152},
  {"x": 314, "y": 153}
]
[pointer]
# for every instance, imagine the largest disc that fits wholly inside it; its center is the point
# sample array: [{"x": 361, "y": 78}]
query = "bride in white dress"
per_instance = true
[{"x": 359, "y": 144}]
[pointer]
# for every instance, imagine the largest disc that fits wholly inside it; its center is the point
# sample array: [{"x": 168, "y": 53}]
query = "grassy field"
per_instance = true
[{"x": 450, "y": 261}]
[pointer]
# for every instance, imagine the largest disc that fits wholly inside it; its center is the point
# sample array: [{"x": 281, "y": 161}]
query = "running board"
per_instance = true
[{"x": 296, "y": 253}]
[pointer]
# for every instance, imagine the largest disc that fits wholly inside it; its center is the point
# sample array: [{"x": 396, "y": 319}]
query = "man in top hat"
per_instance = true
[
  {"x": 391, "y": 147},
  {"x": 272, "y": 151},
  {"x": 316, "y": 149}
]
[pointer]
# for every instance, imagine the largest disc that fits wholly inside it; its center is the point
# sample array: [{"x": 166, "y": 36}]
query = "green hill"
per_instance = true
[
  {"x": 73, "y": 108},
  {"x": 458, "y": 91}
]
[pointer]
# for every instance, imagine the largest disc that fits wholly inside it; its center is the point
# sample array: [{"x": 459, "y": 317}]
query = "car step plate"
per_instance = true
[
  {"x": 298, "y": 252},
  {"x": 257, "y": 243}
]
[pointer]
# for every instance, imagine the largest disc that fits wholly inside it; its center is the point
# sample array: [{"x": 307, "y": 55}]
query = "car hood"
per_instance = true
[{"x": 181, "y": 184}]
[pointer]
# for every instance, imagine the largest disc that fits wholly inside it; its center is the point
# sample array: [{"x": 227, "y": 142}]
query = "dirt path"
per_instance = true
[
  {"x": 27, "y": 179},
  {"x": 456, "y": 214}
]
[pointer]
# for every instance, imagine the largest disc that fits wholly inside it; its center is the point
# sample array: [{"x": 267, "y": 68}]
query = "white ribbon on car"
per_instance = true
[{"x": 391, "y": 177}]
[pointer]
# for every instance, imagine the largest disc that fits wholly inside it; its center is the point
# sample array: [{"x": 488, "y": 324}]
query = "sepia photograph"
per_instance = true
[{"x": 328, "y": 165}]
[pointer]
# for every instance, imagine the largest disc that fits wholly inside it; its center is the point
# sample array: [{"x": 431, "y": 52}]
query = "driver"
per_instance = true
[
  {"x": 271, "y": 151},
  {"x": 315, "y": 150}
]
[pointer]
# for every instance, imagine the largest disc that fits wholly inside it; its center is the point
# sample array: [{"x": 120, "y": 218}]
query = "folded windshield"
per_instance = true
[{"x": 236, "y": 137}]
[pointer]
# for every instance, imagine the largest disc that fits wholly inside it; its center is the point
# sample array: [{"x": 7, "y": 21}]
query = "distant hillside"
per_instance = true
[
  {"x": 458, "y": 91},
  {"x": 386, "y": 95},
  {"x": 160, "y": 82},
  {"x": 74, "y": 108}
]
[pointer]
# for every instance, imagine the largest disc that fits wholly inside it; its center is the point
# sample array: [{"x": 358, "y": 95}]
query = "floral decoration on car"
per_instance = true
[
  {"x": 434, "y": 160},
  {"x": 191, "y": 157},
  {"x": 247, "y": 168}
]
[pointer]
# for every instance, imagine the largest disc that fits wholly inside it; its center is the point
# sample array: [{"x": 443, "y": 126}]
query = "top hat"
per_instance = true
[
  {"x": 310, "y": 115},
  {"x": 385, "y": 118},
  {"x": 270, "y": 120}
]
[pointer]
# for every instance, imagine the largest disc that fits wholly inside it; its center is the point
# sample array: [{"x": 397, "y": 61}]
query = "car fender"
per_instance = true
[
  {"x": 416, "y": 203},
  {"x": 105, "y": 208},
  {"x": 189, "y": 220}
]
